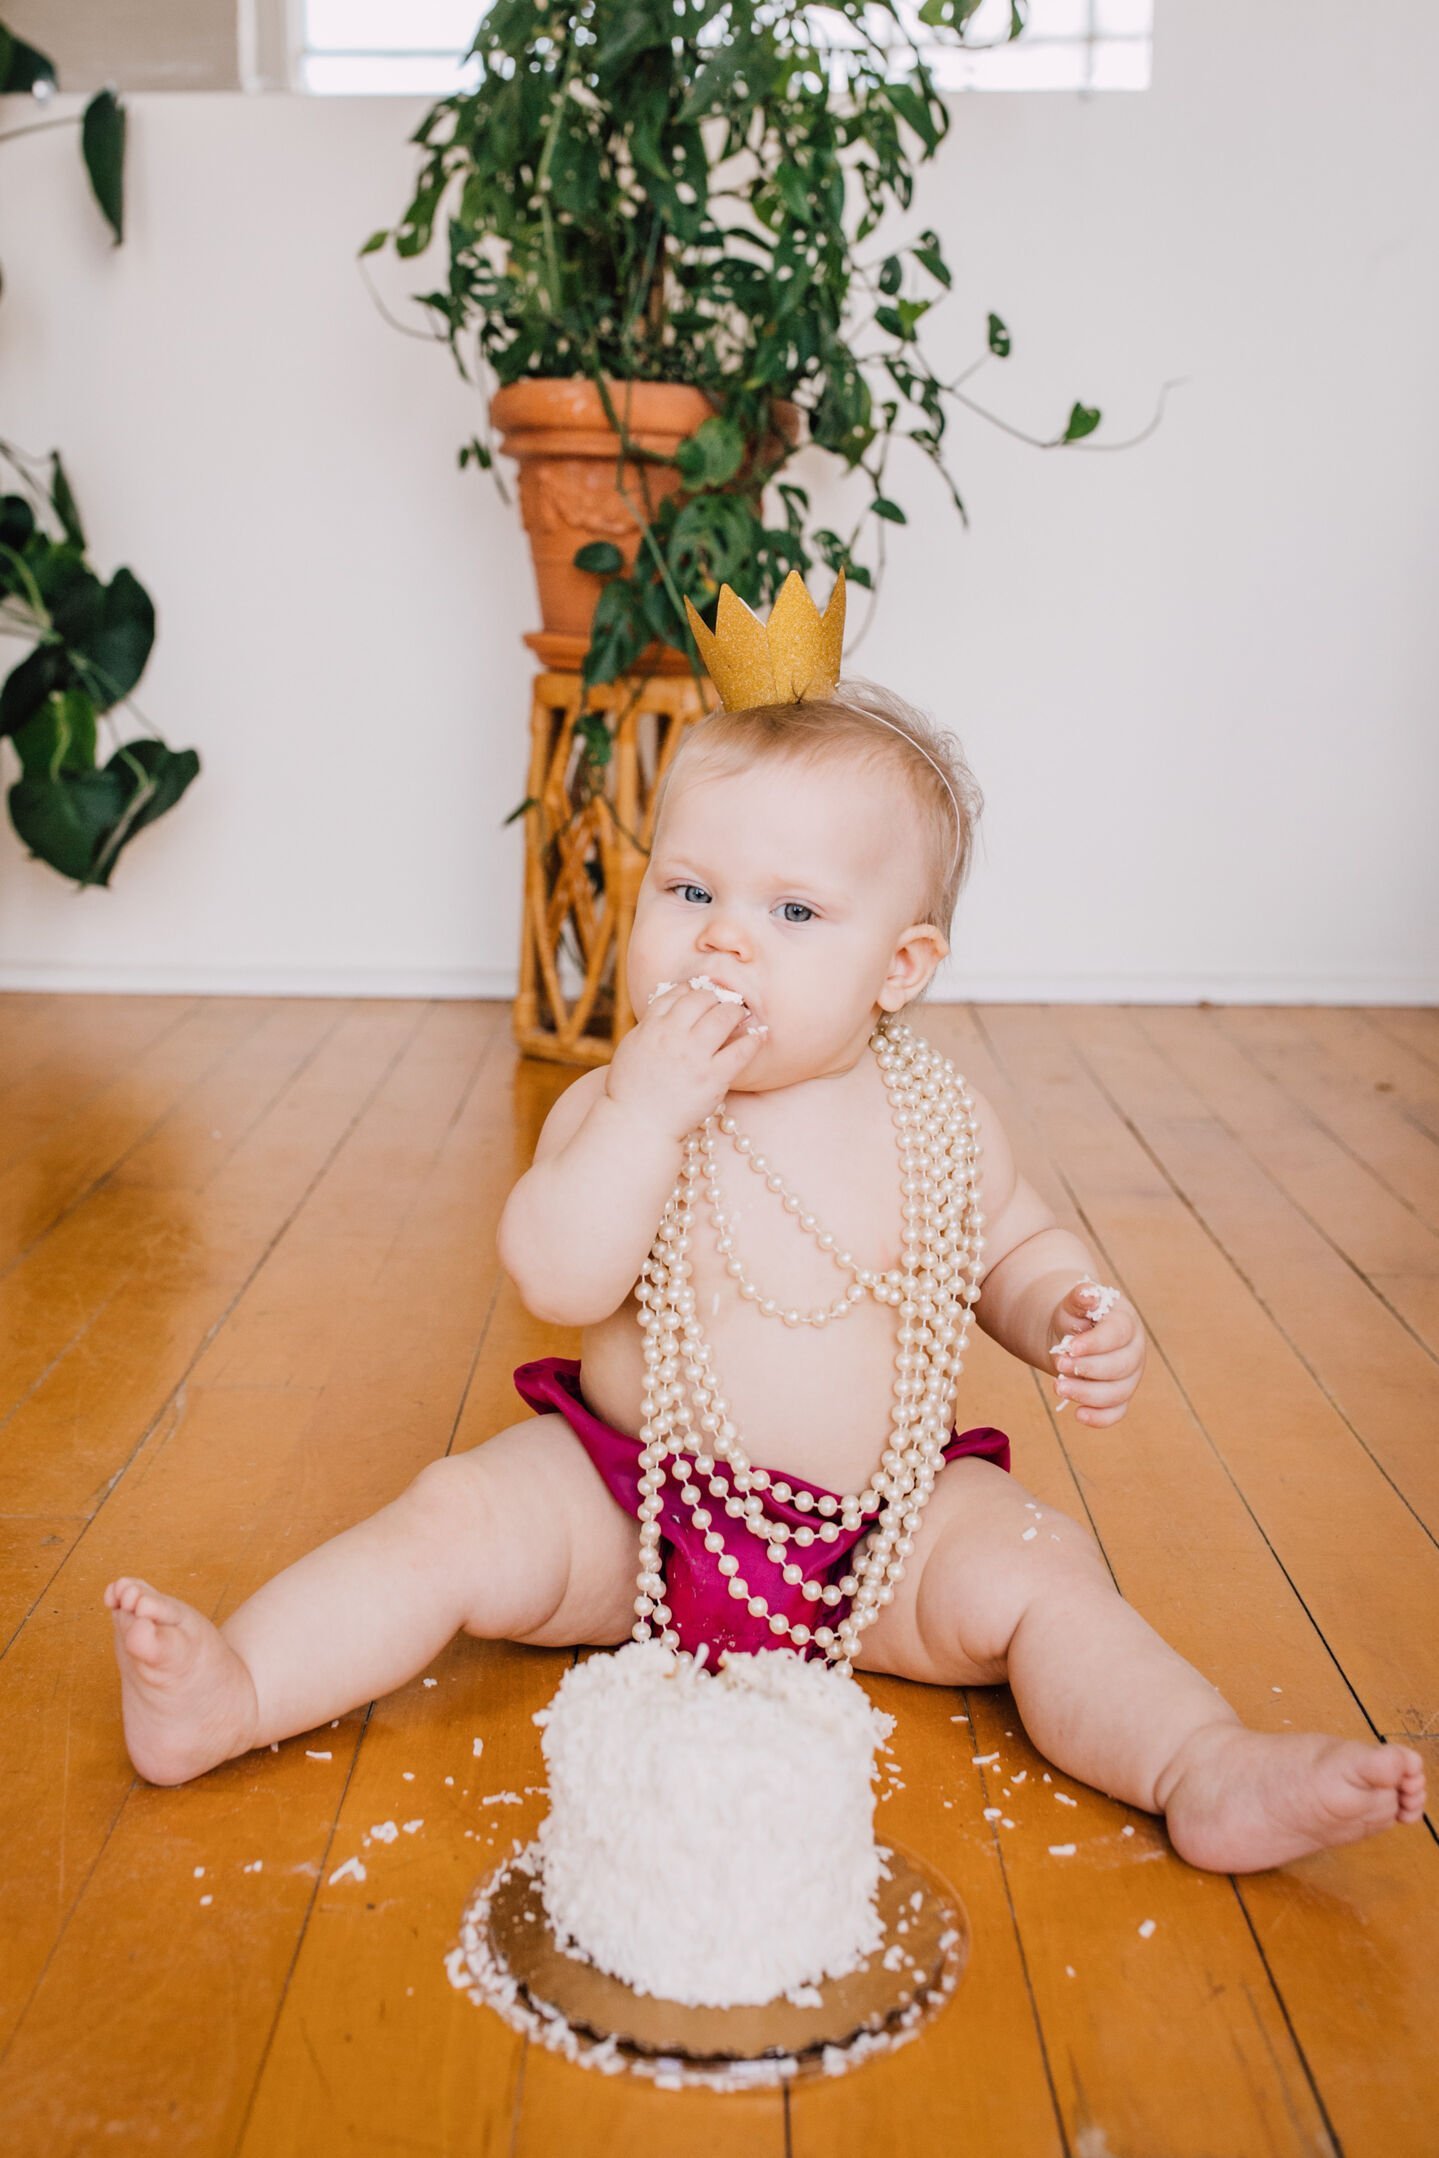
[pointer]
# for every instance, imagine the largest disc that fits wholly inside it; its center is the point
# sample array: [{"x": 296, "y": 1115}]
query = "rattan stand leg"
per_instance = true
[{"x": 585, "y": 854}]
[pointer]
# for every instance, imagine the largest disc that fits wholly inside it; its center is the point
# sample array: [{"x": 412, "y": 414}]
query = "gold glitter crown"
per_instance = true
[{"x": 794, "y": 655}]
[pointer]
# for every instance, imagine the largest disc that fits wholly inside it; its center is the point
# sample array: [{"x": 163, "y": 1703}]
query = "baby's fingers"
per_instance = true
[
  {"x": 1084, "y": 1364},
  {"x": 1101, "y": 1416},
  {"x": 1095, "y": 1393},
  {"x": 736, "y": 1054}
]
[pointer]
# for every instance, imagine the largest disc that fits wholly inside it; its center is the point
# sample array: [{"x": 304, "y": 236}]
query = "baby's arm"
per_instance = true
[
  {"x": 1030, "y": 1298},
  {"x": 579, "y": 1224}
]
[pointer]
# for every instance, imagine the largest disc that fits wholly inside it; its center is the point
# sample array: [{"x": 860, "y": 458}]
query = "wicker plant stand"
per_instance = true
[{"x": 584, "y": 859}]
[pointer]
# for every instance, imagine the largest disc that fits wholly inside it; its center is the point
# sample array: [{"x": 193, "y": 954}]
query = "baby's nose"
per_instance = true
[{"x": 723, "y": 934}]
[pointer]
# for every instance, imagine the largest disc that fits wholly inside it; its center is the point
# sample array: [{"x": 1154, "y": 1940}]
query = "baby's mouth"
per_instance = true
[{"x": 726, "y": 995}]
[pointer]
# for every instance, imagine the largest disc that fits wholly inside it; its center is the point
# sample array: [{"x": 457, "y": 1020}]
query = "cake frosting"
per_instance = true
[{"x": 710, "y": 1838}]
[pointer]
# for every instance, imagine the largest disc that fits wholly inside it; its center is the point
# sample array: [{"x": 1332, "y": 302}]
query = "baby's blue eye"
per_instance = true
[
  {"x": 683, "y": 888},
  {"x": 807, "y": 913}
]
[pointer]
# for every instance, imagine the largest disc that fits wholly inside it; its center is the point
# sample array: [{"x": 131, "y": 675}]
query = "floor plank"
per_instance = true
[
  {"x": 73, "y": 1152},
  {"x": 224, "y": 1494},
  {"x": 1348, "y": 1108},
  {"x": 1416, "y": 1027},
  {"x": 1376, "y": 1063},
  {"x": 1360, "y": 1355},
  {"x": 213, "y": 1354},
  {"x": 1194, "y": 1519},
  {"x": 1364, "y": 1218}
]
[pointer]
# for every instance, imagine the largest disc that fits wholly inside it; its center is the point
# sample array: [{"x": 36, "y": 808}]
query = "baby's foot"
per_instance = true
[
  {"x": 188, "y": 1699},
  {"x": 1244, "y": 1800}
]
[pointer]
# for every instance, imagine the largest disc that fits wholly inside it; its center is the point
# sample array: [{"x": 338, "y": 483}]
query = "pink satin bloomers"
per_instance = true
[{"x": 696, "y": 1590}]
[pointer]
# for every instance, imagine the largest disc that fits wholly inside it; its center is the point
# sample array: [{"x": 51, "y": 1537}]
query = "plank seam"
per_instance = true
[
  {"x": 301, "y": 1931},
  {"x": 1059, "y": 2119},
  {"x": 1283, "y": 2007}
]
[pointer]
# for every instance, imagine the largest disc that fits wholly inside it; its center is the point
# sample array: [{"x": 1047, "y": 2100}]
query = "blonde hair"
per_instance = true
[{"x": 867, "y": 724}]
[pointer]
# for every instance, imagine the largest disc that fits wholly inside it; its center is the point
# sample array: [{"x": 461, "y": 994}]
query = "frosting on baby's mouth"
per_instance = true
[{"x": 702, "y": 981}]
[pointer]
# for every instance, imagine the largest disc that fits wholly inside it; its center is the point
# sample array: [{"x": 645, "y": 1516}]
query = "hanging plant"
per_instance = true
[{"x": 90, "y": 640}]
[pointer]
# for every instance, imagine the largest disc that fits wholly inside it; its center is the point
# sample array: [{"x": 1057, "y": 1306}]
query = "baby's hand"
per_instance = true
[
  {"x": 681, "y": 1059},
  {"x": 1100, "y": 1357}
]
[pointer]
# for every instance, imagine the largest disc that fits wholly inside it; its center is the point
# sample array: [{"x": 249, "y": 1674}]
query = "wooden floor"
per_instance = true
[{"x": 248, "y": 1286}]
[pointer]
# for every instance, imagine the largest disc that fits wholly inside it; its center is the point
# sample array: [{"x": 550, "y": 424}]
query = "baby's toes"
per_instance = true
[
  {"x": 1411, "y": 1785},
  {"x": 125, "y": 1592},
  {"x": 1376, "y": 1778}
]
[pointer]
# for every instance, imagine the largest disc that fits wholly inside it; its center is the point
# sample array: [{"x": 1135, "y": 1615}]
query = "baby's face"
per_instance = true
[{"x": 791, "y": 885}]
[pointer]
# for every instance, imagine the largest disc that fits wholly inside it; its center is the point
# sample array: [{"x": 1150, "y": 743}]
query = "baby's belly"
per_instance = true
[{"x": 807, "y": 1401}]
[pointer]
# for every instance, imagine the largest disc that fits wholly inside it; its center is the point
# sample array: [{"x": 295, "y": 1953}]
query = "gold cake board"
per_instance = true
[{"x": 905, "y": 1981}]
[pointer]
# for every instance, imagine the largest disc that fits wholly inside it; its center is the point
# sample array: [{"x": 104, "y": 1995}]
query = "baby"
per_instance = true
[{"x": 804, "y": 871}]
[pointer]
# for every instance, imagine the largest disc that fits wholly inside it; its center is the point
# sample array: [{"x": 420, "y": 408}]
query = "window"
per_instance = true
[
  {"x": 377, "y": 47},
  {"x": 413, "y": 47}
]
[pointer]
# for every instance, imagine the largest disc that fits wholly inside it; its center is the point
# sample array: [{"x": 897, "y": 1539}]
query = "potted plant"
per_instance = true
[{"x": 655, "y": 213}]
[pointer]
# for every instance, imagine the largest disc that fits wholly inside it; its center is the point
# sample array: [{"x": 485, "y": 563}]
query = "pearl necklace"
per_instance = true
[{"x": 935, "y": 1290}]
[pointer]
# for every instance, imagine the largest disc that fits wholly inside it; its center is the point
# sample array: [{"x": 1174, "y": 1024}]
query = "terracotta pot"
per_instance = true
[{"x": 570, "y": 490}]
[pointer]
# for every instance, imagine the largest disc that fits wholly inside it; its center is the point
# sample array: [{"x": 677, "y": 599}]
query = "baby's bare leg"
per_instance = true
[
  {"x": 1010, "y": 1589},
  {"x": 517, "y": 1539}
]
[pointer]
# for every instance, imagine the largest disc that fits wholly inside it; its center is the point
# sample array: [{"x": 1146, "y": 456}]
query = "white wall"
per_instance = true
[{"x": 1196, "y": 680}]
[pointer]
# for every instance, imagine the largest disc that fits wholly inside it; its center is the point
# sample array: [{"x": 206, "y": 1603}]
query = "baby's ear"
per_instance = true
[{"x": 916, "y": 955}]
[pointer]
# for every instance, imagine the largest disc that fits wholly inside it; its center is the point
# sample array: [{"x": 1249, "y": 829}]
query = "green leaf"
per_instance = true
[
  {"x": 163, "y": 776},
  {"x": 712, "y": 454},
  {"x": 21, "y": 66},
  {"x": 617, "y": 634},
  {"x": 916, "y": 111},
  {"x": 79, "y": 821},
  {"x": 375, "y": 241},
  {"x": 891, "y": 275},
  {"x": 63, "y": 502},
  {"x": 998, "y": 338},
  {"x": 891, "y": 511},
  {"x": 1082, "y": 421},
  {"x": 17, "y": 528},
  {"x": 531, "y": 801},
  {"x": 900, "y": 321},
  {"x": 29, "y": 684},
  {"x": 932, "y": 260},
  {"x": 475, "y": 451},
  {"x": 102, "y": 140},
  {"x": 712, "y": 543},
  {"x": 601, "y": 557},
  {"x": 596, "y": 736},
  {"x": 61, "y": 736},
  {"x": 795, "y": 194},
  {"x": 110, "y": 654}
]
